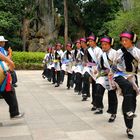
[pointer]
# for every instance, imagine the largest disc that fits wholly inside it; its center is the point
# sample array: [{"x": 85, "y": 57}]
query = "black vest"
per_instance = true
[{"x": 129, "y": 60}]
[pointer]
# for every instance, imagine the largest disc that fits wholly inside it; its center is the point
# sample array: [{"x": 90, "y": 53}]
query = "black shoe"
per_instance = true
[
  {"x": 93, "y": 108},
  {"x": 49, "y": 79},
  {"x": 57, "y": 85},
  {"x": 112, "y": 118},
  {"x": 75, "y": 90},
  {"x": 71, "y": 83},
  {"x": 19, "y": 116},
  {"x": 129, "y": 133},
  {"x": 84, "y": 99},
  {"x": 68, "y": 88},
  {"x": 88, "y": 95},
  {"x": 43, "y": 76},
  {"x": 15, "y": 85},
  {"x": 99, "y": 111},
  {"x": 130, "y": 115},
  {"x": 1, "y": 97},
  {"x": 79, "y": 93},
  {"x": 61, "y": 82}
]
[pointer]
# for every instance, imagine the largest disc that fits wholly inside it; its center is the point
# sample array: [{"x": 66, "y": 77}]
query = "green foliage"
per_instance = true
[
  {"x": 8, "y": 23},
  {"x": 97, "y": 12},
  {"x": 12, "y": 13},
  {"x": 19, "y": 8},
  {"x": 60, "y": 39},
  {"x": 87, "y": 15},
  {"x": 28, "y": 60},
  {"x": 129, "y": 20},
  {"x": 93, "y": 16},
  {"x": 15, "y": 43}
]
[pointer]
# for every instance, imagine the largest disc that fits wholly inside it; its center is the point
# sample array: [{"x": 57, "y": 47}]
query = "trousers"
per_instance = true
[
  {"x": 11, "y": 100},
  {"x": 129, "y": 99}
]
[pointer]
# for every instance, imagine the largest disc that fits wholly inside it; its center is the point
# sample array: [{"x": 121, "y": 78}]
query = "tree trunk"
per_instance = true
[
  {"x": 127, "y": 4},
  {"x": 66, "y": 22},
  {"x": 25, "y": 32},
  {"x": 46, "y": 26}
]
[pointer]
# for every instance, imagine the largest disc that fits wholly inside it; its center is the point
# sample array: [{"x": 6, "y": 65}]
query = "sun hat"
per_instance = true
[{"x": 3, "y": 39}]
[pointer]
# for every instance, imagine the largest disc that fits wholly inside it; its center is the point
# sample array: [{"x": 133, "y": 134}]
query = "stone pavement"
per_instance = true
[{"x": 58, "y": 114}]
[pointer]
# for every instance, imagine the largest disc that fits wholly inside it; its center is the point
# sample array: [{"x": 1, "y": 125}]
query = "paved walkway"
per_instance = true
[{"x": 58, "y": 114}]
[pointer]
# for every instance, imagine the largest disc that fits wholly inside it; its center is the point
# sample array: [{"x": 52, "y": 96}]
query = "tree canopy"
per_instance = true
[
  {"x": 125, "y": 20},
  {"x": 84, "y": 18}
]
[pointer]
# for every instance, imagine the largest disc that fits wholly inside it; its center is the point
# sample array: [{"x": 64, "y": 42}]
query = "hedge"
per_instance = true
[{"x": 28, "y": 60}]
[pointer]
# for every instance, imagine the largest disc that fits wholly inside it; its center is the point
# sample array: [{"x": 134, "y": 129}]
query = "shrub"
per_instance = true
[{"x": 28, "y": 60}]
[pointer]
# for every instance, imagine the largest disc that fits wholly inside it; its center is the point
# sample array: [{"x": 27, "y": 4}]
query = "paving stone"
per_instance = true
[{"x": 59, "y": 114}]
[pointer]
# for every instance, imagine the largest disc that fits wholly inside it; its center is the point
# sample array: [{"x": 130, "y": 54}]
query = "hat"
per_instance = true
[
  {"x": 58, "y": 44},
  {"x": 130, "y": 35},
  {"x": 77, "y": 41},
  {"x": 107, "y": 39},
  {"x": 49, "y": 48},
  {"x": 94, "y": 38},
  {"x": 83, "y": 40},
  {"x": 2, "y": 39},
  {"x": 69, "y": 44}
]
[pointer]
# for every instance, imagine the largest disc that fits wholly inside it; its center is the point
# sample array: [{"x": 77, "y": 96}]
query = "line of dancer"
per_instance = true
[{"x": 102, "y": 68}]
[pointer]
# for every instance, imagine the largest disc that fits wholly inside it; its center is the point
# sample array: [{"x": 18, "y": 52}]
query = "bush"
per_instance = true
[{"x": 28, "y": 60}]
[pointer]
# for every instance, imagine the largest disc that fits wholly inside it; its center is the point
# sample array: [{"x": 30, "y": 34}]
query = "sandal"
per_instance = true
[{"x": 129, "y": 133}]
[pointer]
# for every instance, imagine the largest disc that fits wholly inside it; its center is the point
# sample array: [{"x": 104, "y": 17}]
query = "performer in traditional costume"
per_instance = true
[
  {"x": 85, "y": 82},
  {"x": 77, "y": 68},
  {"x": 57, "y": 63},
  {"x": 48, "y": 63},
  {"x": 93, "y": 54},
  {"x": 67, "y": 62},
  {"x": 103, "y": 81},
  {"x": 45, "y": 69},
  {"x": 128, "y": 64}
]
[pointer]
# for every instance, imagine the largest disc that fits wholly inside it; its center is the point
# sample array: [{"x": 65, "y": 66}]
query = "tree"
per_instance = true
[
  {"x": 97, "y": 12},
  {"x": 66, "y": 22},
  {"x": 36, "y": 21},
  {"x": 44, "y": 26},
  {"x": 86, "y": 17},
  {"x": 125, "y": 20},
  {"x": 12, "y": 13}
]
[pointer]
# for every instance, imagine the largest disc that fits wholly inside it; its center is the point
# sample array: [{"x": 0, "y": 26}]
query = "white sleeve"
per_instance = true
[
  {"x": 113, "y": 56},
  {"x": 45, "y": 58},
  {"x": 118, "y": 57},
  {"x": 136, "y": 54}
]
